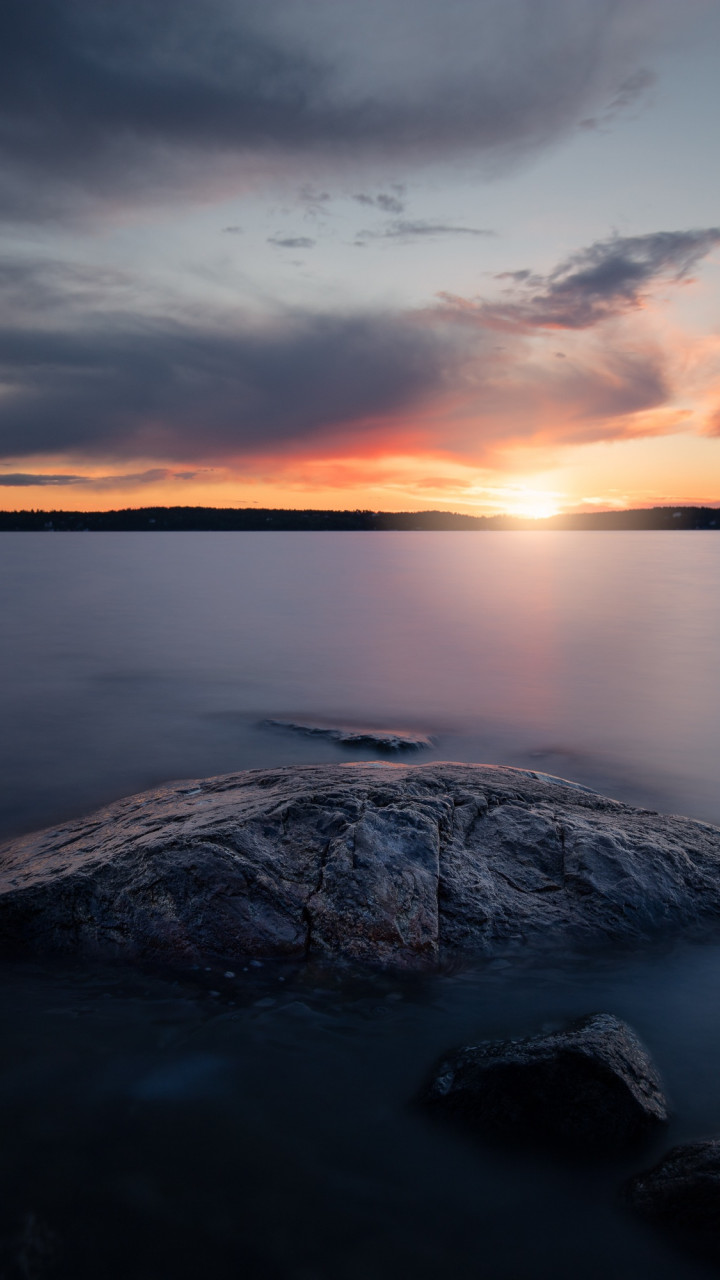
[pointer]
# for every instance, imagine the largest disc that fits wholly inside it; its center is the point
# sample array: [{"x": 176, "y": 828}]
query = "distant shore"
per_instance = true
[{"x": 237, "y": 519}]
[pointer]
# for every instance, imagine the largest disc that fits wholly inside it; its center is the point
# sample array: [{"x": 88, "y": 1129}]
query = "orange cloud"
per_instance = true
[{"x": 395, "y": 409}]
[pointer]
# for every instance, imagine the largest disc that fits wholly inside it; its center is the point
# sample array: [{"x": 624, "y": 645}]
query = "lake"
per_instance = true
[
  {"x": 131, "y": 659},
  {"x": 163, "y": 1124}
]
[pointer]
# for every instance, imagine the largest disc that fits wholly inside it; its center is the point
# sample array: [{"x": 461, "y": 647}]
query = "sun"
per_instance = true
[{"x": 532, "y": 504}]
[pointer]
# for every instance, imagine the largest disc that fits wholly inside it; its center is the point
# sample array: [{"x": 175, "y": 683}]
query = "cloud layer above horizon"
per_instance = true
[{"x": 142, "y": 349}]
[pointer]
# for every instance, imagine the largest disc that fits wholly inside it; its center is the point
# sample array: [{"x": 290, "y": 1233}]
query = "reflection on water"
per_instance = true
[
  {"x": 130, "y": 659},
  {"x": 258, "y": 1124}
]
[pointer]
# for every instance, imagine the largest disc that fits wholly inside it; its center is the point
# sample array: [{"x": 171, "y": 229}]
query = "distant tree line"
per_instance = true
[{"x": 231, "y": 519}]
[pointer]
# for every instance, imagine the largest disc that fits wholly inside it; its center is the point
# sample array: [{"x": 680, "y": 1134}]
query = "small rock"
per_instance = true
[
  {"x": 683, "y": 1190},
  {"x": 591, "y": 1086},
  {"x": 373, "y": 739}
]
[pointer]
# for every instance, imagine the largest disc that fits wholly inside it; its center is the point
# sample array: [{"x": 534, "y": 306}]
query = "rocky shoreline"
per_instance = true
[{"x": 405, "y": 868}]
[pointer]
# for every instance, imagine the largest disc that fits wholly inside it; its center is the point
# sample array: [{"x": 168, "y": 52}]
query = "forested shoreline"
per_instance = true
[{"x": 232, "y": 519}]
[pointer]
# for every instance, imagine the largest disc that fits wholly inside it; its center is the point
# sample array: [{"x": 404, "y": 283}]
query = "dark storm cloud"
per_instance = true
[
  {"x": 169, "y": 389},
  {"x": 103, "y": 102},
  {"x": 607, "y": 279},
  {"x": 83, "y": 373}
]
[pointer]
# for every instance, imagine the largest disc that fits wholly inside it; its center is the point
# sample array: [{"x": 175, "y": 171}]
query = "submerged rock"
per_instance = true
[
  {"x": 369, "y": 739},
  {"x": 591, "y": 1086},
  {"x": 683, "y": 1191},
  {"x": 381, "y": 863}
]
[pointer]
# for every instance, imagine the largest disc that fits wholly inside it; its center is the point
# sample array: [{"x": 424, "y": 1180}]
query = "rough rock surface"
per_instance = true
[
  {"x": 383, "y": 863},
  {"x": 683, "y": 1190},
  {"x": 377, "y": 739},
  {"x": 591, "y": 1086}
]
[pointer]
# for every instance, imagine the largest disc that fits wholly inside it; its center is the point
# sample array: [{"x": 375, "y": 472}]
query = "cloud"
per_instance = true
[
  {"x": 31, "y": 287},
  {"x": 166, "y": 388},
  {"x": 29, "y": 479},
  {"x": 114, "y": 105},
  {"x": 604, "y": 394},
  {"x": 314, "y": 202},
  {"x": 713, "y": 424},
  {"x": 388, "y": 204},
  {"x": 77, "y": 380},
  {"x": 292, "y": 242},
  {"x": 628, "y": 95},
  {"x": 608, "y": 279},
  {"x": 405, "y": 231},
  {"x": 21, "y": 480}
]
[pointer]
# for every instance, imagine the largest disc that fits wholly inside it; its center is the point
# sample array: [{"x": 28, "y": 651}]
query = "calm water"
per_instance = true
[
  {"x": 158, "y": 1125},
  {"x": 129, "y": 659}
]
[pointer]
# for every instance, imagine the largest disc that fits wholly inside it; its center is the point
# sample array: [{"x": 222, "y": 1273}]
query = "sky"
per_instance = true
[{"x": 397, "y": 255}]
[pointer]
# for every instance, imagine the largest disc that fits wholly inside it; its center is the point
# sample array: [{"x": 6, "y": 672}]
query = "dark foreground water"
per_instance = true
[{"x": 159, "y": 1125}]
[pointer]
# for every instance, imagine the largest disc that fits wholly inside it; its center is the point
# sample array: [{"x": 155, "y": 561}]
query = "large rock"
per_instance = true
[
  {"x": 683, "y": 1191},
  {"x": 382, "y": 863},
  {"x": 591, "y": 1086}
]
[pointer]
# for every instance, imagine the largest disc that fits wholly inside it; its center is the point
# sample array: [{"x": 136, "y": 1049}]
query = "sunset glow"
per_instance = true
[
  {"x": 511, "y": 305},
  {"x": 536, "y": 506}
]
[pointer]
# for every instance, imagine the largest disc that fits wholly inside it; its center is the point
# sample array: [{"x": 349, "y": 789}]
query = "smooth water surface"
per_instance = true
[
  {"x": 131, "y": 659},
  {"x": 260, "y": 1122},
  {"x": 264, "y": 1125}
]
